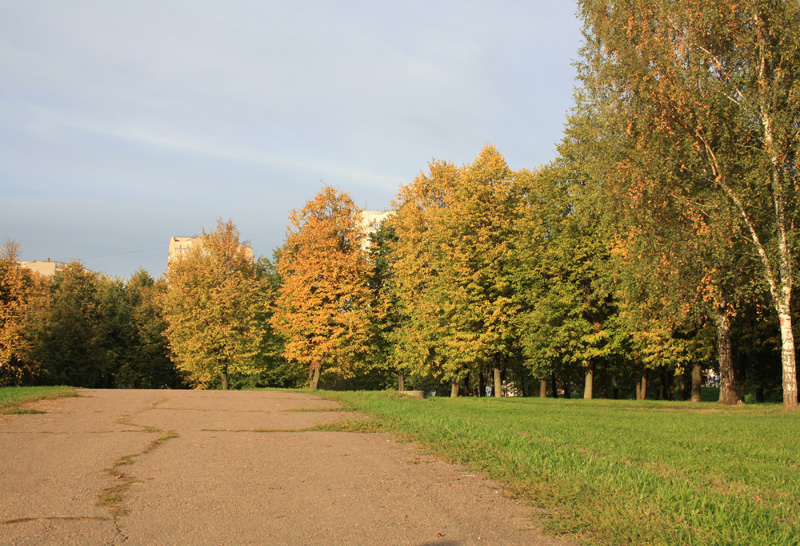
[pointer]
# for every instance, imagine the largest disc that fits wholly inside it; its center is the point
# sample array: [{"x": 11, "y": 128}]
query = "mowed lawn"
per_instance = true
[{"x": 620, "y": 472}]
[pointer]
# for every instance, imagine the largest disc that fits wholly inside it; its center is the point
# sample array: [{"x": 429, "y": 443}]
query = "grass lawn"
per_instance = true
[
  {"x": 620, "y": 472},
  {"x": 11, "y": 398}
]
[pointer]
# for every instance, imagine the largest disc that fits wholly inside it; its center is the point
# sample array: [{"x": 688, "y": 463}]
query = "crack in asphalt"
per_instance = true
[
  {"x": 113, "y": 496},
  {"x": 52, "y": 518}
]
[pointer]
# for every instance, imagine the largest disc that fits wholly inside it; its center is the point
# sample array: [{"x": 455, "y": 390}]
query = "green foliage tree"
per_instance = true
[
  {"x": 274, "y": 370},
  {"x": 145, "y": 363},
  {"x": 567, "y": 318},
  {"x": 69, "y": 329},
  {"x": 385, "y": 316},
  {"x": 322, "y": 303},
  {"x": 211, "y": 306}
]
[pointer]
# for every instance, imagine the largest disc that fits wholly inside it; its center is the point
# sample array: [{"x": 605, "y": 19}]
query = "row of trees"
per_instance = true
[
  {"x": 659, "y": 243},
  {"x": 205, "y": 325},
  {"x": 488, "y": 275},
  {"x": 662, "y": 237},
  {"x": 80, "y": 328}
]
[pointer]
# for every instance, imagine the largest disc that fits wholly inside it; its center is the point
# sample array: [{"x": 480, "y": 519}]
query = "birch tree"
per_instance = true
[{"x": 721, "y": 77}]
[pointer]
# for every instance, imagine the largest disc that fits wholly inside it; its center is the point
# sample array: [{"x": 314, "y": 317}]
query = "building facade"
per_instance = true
[
  {"x": 371, "y": 220},
  {"x": 179, "y": 246},
  {"x": 45, "y": 268}
]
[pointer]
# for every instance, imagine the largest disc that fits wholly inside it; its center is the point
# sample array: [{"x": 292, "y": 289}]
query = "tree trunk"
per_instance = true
[
  {"x": 401, "y": 381},
  {"x": 685, "y": 392},
  {"x": 641, "y": 385},
  {"x": 554, "y": 385},
  {"x": 782, "y": 293},
  {"x": 697, "y": 382},
  {"x": 666, "y": 385},
  {"x": 543, "y": 388},
  {"x": 788, "y": 362},
  {"x": 316, "y": 369},
  {"x": 454, "y": 388},
  {"x": 588, "y": 389},
  {"x": 498, "y": 383},
  {"x": 223, "y": 376},
  {"x": 482, "y": 385},
  {"x": 727, "y": 384}
]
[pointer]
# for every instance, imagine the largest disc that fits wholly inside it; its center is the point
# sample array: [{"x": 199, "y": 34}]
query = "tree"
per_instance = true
[
  {"x": 385, "y": 308},
  {"x": 322, "y": 304},
  {"x": 145, "y": 362},
  {"x": 69, "y": 330},
  {"x": 274, "y": 369},
  {"x": 418, "y": 262},
  {"x": 566, "y": 321},
  {"x": 720, "y": 81},
  {"x": 16, "y": 285},
  {"x": 451, "y": 267},
  {"x": 476, "y": 227},
  {"x": 211, "y": 307}
]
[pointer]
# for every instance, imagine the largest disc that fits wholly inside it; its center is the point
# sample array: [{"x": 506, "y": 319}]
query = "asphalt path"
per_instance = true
[{"x": 156, "y": 467}]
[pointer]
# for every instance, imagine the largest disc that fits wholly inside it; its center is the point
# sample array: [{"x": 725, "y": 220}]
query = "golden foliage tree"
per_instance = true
[
  {"x": 453, "y": 229},
  {"x": 416, "y": 260},
  {"x": 211, "y": 307},
  {"x": 321, "y": 308},
  {"x": 15, "y": 291}
]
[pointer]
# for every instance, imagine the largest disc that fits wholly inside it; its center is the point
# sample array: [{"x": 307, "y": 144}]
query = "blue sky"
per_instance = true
[{"x": 125, "y": 123}]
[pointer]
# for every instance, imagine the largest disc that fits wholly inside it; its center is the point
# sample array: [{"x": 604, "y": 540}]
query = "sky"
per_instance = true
[{"x": 123, "y": 124}]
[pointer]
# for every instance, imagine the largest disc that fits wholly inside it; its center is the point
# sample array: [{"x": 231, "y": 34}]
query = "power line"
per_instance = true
[{"x": 134, "y": 250}]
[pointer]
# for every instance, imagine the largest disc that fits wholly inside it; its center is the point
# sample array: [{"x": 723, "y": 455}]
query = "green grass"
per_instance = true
[
  {"x": 617, "y": 472},
  {"x": 12, "y": 398}
]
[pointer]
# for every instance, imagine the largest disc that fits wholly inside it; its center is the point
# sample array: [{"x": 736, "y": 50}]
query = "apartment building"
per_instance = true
[
  {"x": 45, "y": 268},
  {"x": 178, "y": 246},
  {"x": 371, "y": 220}
]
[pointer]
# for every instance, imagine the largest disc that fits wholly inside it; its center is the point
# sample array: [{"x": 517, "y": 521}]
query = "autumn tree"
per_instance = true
[
  {"x": 321, "y": 307},
  {"x": 452, "y": 263},
  {"x": 418, "y": 263},
  {"x": 720, "y": 80},
  {"x": 211, "y": 307},
  {"x": 16, "y": 285},
  {"x": 478, "y": 252}
]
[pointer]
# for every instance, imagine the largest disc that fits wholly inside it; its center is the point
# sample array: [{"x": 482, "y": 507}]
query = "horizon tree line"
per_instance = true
[{"x": 660, "y": 242}]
